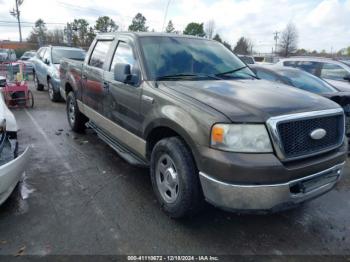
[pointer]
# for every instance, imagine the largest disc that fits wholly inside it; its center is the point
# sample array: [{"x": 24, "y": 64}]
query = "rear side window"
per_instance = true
[
  {"x": 334, "y": 72},
  {"x": 123, "y": 55},
  {"x": 310, "y": 67},
  {"x": 99, "y": 55},
  {"x": 290, "y": 63}
]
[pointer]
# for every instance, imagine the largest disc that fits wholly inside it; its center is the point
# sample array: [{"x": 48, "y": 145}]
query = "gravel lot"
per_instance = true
[{"x": 79, "y": 197}]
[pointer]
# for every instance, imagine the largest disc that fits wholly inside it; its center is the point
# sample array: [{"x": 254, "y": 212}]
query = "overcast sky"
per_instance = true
[{"x": 322, "y": 24}]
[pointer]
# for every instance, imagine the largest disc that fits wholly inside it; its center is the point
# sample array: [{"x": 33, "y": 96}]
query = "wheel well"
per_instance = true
[
  {"x": 68, "y": 88},
  {"x": 156, "y": 135}
]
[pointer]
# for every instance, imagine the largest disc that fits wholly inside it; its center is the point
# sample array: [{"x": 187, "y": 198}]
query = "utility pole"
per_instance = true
[
  {"x": 17, "y": 14},
  {"x": 276, "y": 37}
]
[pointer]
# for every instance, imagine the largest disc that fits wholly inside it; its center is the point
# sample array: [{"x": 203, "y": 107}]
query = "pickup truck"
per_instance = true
[{"x": 208, "y": 129}]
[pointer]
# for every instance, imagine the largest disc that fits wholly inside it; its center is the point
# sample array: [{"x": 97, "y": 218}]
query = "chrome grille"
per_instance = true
[{"x": 292, "y": 134}]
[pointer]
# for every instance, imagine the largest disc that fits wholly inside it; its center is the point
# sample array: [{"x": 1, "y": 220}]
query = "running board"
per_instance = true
[{"x": 122, "y": 151}]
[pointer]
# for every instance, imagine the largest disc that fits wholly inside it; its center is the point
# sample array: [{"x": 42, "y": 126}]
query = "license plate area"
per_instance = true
[{"x": 311, "y": 184}]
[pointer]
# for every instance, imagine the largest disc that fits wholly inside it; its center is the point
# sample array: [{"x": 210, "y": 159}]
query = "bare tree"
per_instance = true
[
  {"x": 289, "y": 40},
  {"x": 210, "y": 28}
]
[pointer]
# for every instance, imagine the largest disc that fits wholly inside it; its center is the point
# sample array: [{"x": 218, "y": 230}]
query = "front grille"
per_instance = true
[{"x": 296, "y": 140}]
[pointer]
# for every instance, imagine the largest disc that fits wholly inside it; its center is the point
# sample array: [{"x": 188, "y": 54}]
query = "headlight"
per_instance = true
[{"x": 242, "y": 138}]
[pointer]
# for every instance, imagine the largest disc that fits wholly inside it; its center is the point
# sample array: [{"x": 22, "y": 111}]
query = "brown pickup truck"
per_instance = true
[{"x": 205, "y": 125}]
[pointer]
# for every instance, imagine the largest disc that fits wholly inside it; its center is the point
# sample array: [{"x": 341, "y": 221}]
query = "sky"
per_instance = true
[{"x": 321, "y": 24}]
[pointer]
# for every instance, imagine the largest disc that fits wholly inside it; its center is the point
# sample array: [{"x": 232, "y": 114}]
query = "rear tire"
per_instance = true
[
  {"x": 175, "y": 178},
  {"x": 76, "y": 119},
  {"x": 54, "y": 96},
  {"x": 37, "y": 84}
]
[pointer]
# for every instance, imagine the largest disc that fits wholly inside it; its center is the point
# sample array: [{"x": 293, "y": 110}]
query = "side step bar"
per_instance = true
[{"x": 122, "y": 151}]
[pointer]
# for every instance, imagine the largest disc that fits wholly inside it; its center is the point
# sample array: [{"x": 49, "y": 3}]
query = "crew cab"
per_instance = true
[
  {"x": 208, "y": 129},
  {"x": 46, "y": 67}
]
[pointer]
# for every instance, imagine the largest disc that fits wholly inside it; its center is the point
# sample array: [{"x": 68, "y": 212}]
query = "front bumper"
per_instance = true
[
  {"x": 11, "y": 173},
  {"x": 271, "y": 197}
]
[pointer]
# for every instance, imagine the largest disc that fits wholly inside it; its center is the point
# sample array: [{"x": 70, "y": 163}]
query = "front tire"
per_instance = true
[
  {"x": 54, "y": 96},
  {"x": 76, "y": 119},
  {"x": 175, "y": 178}
]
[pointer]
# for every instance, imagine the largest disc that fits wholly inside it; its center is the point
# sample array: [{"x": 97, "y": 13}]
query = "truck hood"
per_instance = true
[{"x": 249, "y": 100}]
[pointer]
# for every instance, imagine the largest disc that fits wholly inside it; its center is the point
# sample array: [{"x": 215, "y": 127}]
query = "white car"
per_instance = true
[
  {"x": 12, "y": 165},
  {"x": 335, "y": 72}
]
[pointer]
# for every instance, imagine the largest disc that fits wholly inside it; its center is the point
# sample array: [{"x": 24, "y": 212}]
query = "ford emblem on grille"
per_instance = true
[{"x": 318, "y": 134}]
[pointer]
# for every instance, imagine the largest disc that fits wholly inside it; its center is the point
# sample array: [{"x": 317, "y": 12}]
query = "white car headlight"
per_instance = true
[{"x": 241, "y": 138}]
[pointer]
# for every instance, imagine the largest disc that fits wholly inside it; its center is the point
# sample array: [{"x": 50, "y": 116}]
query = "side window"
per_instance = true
[
  {"x": 332, "y": 71},
  {"x": 47, "y": 55},
  {"x": 310, "y": 67},
  {"x": 290, "y": 63},
  {"x": 41, "y": 53},
  {"x": 124, "y": 55},
  {"x": 99, "y": 55}
]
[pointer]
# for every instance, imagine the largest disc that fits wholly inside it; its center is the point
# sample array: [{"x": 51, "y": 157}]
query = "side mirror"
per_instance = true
[
  {"x": 122, "y": 73},
  {"x": 347, "y": 78},
  {"x": 46, "y": 61}
]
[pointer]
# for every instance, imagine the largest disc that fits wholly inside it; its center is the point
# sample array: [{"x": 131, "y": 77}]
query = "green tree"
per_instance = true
[
  {"x": 138, "y": 24},
  {"x": 170, "y": 27},
  {"x": 348, "y": 51},
  {"x": 228, "y": 46},
  {"x": 242, "y": 47},
  {"x": 217, "y": 37},
  {"x": 195, "y": 29},
  {"x": 80, "y": 29},
  {"x": 39, "y": 33},
  {"x": 105, "y": 24}
]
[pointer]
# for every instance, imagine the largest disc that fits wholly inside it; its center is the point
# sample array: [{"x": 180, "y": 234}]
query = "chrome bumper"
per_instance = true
[
  {"x": 10, "y": 174},
  {"x": 269, "y": 197}
]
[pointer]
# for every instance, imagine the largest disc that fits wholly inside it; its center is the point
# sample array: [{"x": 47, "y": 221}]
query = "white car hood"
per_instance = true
[{"x": 5, "y": 113}]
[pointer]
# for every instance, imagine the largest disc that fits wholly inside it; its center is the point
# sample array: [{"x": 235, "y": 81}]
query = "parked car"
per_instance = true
[
  {"x": 337, "y": 73},
  {"x": 46, "y": 67},
  {"x": 7, "y": 55},
  {"x": 12, "y": 164},
  {"x": 308, "y": 82},
  {"x": 26, "y": 60},
  {"x": 205, "y": 125},
  {"x": 249, "y": 60},
  {"x": 27, "y": 55}
]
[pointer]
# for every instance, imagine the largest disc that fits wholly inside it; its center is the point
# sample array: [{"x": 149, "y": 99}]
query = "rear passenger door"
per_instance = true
[
  {"x": 93, "y": 74},
  {"x": 40, "y": 66},
  {"x": 122, "y": 101}
]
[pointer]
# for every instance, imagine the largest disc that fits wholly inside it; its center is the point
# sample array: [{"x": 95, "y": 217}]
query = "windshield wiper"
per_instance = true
[
  {"x": 186, "y": 76},
  {"x": 236, "y": 70}
]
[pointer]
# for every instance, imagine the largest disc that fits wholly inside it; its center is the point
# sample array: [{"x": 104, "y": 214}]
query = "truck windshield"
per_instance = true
[
  {"x": 180, "y": 56},
  {"x": 59, "y": 54}
]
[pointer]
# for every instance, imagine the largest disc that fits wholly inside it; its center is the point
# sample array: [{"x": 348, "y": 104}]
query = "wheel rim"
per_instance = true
[
  {"x": 50, "y": 91},
  {"x": 71, "y": 112},
  {"x": 167, "y": 179}
]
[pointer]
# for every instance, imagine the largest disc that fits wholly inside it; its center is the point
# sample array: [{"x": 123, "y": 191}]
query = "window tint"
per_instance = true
[
  {"x": 290, "y": 63},
  {"x": 124, "y": 55},
  {"x": 99, "y": 54},
  {"x": 168, "y": 56},
  {"x": 310, "y": 67},
  {"x": 332, "y": 71},
  {"x": 307, "y": 82},
  {"x": 59, "y": 53}
]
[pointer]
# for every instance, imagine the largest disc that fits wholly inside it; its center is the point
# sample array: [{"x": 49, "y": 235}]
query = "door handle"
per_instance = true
[
  {"x": 84, "y": 77},
  {"x": 105, "y": 85}
]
